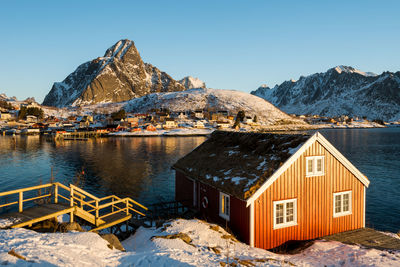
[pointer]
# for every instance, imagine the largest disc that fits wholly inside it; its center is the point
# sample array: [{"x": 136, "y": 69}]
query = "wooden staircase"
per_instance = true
[{"x": 101, "y": 213}]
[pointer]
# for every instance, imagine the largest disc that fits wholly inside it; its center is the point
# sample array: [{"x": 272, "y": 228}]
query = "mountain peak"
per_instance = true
[
  {"x": 119, "y": 49},
  {"x": 342, "y": 90},
  {"x": 192, "y": 82},
  {"x": 348, "y": 69},
  {"x": 118, "y": 76}
]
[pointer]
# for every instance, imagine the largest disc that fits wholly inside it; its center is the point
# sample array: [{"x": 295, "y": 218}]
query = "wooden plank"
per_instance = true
[
  {"x": 42, "y": 218},
  {"x": 366, "y": 237},
  {"x": 112, "y": 223}
]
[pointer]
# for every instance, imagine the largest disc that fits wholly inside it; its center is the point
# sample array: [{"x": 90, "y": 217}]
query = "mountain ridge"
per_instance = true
[
  {"x": 119, "y": 75},
  {"x": 341, "y": 90}
]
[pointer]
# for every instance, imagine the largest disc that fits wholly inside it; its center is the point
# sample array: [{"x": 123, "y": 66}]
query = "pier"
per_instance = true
[{"x": 59, "y": 199}]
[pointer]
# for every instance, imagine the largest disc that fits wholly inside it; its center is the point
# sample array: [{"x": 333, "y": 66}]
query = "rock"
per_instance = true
[
  {"x": 113, "y": 241},
  {"x": 191, "y": 82},
  {"x": 119, "y": 75},
  {"x": 66, "y": 227}
]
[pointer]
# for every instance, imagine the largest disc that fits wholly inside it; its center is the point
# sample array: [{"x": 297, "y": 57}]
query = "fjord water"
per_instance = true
[{"x": 141, "y": 167}]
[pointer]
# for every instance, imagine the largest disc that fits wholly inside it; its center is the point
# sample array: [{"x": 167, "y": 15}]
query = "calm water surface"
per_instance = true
[{"x": 141, "y": 167}]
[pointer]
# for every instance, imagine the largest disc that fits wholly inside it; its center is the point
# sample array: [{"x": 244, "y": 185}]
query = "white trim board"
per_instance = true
[{"x": 328, "y": 146}]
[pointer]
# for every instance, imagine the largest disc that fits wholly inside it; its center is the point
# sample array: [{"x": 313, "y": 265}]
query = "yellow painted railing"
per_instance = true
[{"x": 79, "y": 198}]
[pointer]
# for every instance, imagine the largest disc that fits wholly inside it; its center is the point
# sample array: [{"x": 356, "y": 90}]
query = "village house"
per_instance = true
[
  {"x": 5, "y": 115},
  {"x": 221, "y": 124},
  {"x": 272, "y": 188},
  {"x": 181, "y": 115},
  {"x": 169, "y": 123},
  {"x": 248, "y": 120},
  {"x": 162, "y": 116},
  {"x": 198, "y": 124},
  {"x": 31, "y": 119},
  {"x": 199, "y": 114}
]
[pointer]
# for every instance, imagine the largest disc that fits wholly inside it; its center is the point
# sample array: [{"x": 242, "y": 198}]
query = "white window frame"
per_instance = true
[
  {"x": 314, "y": 171},
  {"x": 225, "y": 215},
  {"x": 342, "y": 213},
  {"x": 285, "y": 224}
]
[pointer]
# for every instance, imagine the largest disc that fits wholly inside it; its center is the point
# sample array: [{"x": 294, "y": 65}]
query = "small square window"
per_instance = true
[
  {"x": 315, "y": 166},
  {"x": 342, "y": 204},
  {"x": 285, "y": 213}
]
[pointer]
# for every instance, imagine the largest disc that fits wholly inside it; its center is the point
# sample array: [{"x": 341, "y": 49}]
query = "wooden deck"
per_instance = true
[
  {"x": 99, "y": 212},
  {"x": 37, "y": 213},
  {"x": 366, "y": 237}
]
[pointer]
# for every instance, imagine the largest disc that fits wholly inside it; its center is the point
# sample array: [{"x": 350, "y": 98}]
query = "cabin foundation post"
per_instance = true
[
  {"x": 56, "y": 193},
  {"x": 21, "y": 201}
]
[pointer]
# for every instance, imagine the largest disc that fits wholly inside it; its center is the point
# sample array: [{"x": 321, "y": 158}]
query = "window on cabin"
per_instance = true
[
  {"x": 315, "y": 166},
  {"x": 224, "y": 206},
  {"x": 341, "y": 203},
  {"x": 285, "y": 213}
]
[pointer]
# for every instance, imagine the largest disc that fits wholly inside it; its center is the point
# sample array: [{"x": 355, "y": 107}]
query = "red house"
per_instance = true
[{"x": 272, "y": 188}]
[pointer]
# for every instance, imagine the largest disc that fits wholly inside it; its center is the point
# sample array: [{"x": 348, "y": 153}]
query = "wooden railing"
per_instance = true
[{"x": 77, "y": 197}]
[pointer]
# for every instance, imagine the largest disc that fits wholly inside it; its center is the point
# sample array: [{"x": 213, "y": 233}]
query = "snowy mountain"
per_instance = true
[
  {"x": 4, "y": 97},
  {"x": 191, "y": 82},
  {"x": 212, "y": 99},
  {"x": 339, "y": 91},
  {"x": 118, "y": 76}
]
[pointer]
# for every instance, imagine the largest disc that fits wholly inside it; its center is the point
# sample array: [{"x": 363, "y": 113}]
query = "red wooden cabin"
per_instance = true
[{"x": 272, "y": 188}]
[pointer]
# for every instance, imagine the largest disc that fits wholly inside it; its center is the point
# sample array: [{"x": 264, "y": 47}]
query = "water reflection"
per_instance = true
[
  {"x": 140, "y": 167},
  {"x": 135, "y": 167}
]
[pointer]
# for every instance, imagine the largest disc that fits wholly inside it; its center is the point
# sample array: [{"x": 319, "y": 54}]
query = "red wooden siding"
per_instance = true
[
  {"x": 183, "y": 189},
  {"x": 239, "y": 222},
  {"x": 314, "y": 202}
]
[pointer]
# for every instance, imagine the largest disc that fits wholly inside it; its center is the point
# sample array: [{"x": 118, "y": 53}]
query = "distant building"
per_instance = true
[
  {"x": 169, "y": 123},
  {"x": 221, "y": 124},
  {"x": 31, "y": 118},
  {"x": 248, "y": 120},
  {"x": 199, "y": 114},
  {"x": 5, "y": 115},
  {"x": 198, "y": 124}
]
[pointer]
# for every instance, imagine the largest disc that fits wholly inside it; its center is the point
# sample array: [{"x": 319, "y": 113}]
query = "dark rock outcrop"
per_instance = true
[
  {"x": 118, "y": 76},
  {"x": 339, "y": 91}
]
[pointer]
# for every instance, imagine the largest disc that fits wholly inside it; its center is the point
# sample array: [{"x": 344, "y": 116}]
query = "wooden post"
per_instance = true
[
  {"x": 127, "y": 207},
  {"x": 112, "y": 206},
  {"x": 21, "y": 201},
  {"x": 56, "y": 193},
  {"x": 71, "y": 200},
  {"x": 71, "y": 217},
  {"x": 97, "y": 212}
]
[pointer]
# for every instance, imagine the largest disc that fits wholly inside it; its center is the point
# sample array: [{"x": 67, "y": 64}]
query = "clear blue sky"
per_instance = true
[{"x": 228, "y": 44}]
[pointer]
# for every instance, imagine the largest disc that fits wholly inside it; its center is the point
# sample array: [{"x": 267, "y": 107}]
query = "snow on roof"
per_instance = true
[{"x": 239, "y": 163}]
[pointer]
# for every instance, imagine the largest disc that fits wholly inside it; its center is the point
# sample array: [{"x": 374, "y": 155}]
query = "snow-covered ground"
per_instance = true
[{"x": 177, "y": 243}]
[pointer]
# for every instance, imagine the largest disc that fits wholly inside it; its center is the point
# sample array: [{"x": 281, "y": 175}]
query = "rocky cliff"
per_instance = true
[
  {"x": 119, "y": 75},
  {"x": 339, "y": 91}
]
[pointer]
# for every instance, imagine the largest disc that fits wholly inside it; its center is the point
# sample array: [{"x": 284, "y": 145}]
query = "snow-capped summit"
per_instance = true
[
  {"x": 192, "y": 82},
  {"x": 347, "y": 69},
  {"x": 341, "y": 90},
  {"x": 118, "y": 76}
]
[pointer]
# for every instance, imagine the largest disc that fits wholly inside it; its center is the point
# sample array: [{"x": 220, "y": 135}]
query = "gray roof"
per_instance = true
[{"x": 239, "y": 163}]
